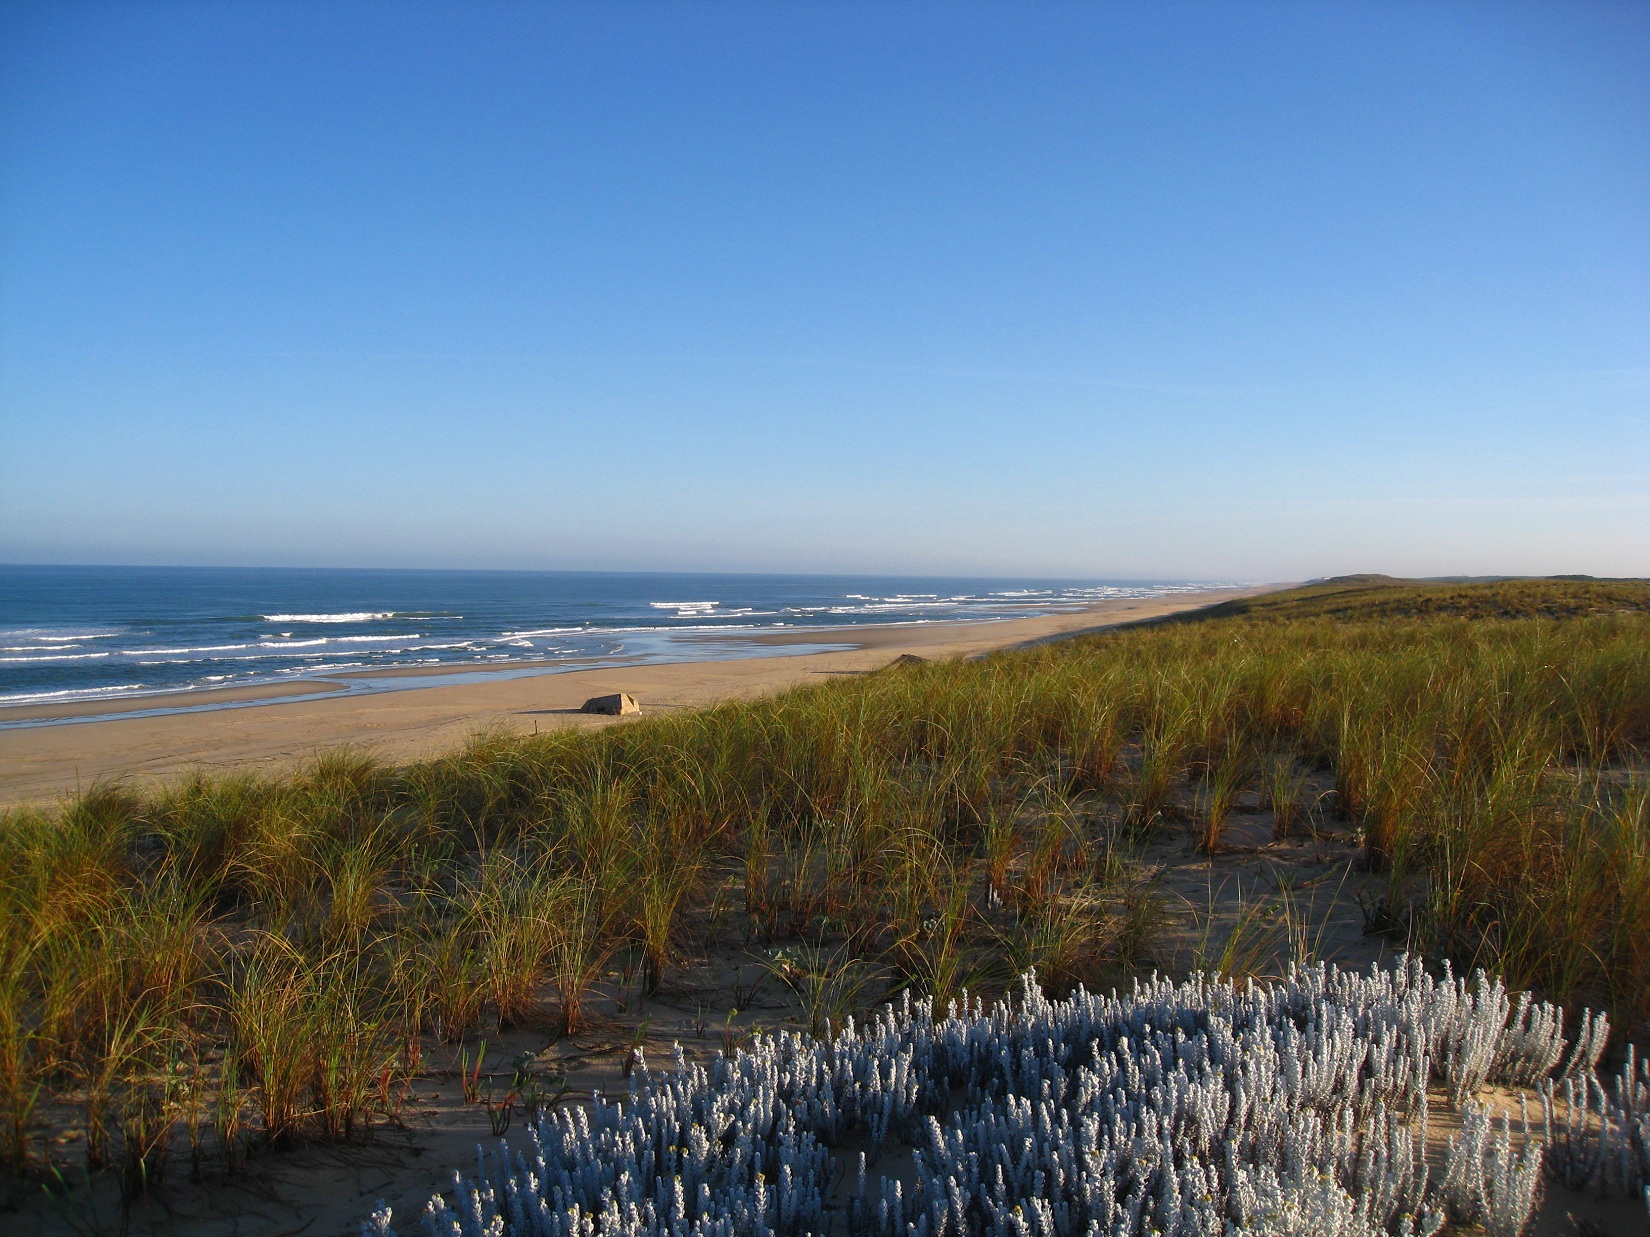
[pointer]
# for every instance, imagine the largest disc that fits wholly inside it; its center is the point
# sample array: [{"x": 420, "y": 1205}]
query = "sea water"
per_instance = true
[{"x": 123, "y": 633}]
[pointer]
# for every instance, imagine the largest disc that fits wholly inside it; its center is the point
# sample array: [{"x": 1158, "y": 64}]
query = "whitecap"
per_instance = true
[
  {"x": 29, "y": 661},
  {"x": 28, "y": 697},
  {"x": 301, "y": 644},
  {"x": 200, "y": 648}
]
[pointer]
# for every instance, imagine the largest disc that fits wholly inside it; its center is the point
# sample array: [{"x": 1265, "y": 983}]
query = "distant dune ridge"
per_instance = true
[{"x": 1378, "y": 596}]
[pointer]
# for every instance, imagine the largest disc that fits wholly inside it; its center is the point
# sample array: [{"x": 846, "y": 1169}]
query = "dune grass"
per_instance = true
[{"x": 256, "y": 961}]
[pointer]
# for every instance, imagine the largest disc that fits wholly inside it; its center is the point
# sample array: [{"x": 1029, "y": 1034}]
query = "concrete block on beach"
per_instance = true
[{"x": 615, "y": 705}]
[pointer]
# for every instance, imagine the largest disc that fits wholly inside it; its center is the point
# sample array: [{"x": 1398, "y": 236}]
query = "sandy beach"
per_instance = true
[{"x": 39, "y": 764}]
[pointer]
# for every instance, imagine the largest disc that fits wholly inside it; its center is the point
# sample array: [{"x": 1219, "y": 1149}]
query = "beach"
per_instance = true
[{"x": 271, "y": 729}]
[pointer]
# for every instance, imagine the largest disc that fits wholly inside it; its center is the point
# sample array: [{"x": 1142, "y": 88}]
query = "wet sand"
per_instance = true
[
  {"x": 39, "y": 764},
  {"x": 170, "y": 700}
]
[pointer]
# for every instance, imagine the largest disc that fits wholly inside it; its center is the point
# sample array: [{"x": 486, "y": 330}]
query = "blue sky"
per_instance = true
[{"x": 1257, "y": 291}]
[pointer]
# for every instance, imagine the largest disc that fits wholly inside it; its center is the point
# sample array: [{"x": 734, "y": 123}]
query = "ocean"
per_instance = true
[{"x": 123, "y": 633}]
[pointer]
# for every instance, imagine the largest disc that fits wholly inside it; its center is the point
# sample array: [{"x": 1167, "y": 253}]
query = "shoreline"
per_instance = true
[
  {"x": 203, "y": 698},
  {"x": 40, "y": 763}
]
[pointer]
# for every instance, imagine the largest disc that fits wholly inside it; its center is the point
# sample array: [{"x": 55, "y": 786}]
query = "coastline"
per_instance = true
[{"x": 41, "y": 763}]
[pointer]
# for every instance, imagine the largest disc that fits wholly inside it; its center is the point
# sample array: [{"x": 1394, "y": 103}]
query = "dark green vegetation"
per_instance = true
[
  {"x": 239, "y": 963},
  {"x": 1378, "y": 597}
]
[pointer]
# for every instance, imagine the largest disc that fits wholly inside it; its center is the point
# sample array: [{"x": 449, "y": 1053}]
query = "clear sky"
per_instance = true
[{"x": 1237, "y": 291}]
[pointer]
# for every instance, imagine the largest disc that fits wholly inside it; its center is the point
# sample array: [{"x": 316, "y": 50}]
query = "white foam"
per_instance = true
[
  {"x": 303, "y": 644},
  {"x": 200, "y": 648},
  {"x": 85, "y": 692},
  {"x": 30, "y": 661},
  {"x": 48, "y": 639},
  {"x": 353, "y": 616}
]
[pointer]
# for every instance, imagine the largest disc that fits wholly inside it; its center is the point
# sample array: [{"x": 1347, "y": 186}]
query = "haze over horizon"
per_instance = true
[{"x": 1197, "y": 291}]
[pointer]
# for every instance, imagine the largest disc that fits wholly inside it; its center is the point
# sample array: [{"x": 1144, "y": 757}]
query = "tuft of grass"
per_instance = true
[
  {"x": 1228, "y": 775},
  {"x": 583, "y": 943},
  {"x": 22, "y": 1078},
  {"x": 1283, "y": 783},
  {"x": 272, "y": 1011},
  {"x": 515, "y": 910},
  {"x": 1068, "y": 939},
  {"x": 1162, "y": 760},
  {"x": 667, "y": 873},
  {"x": 934, "y": 952},
  {"x": 826, "y": 985}
]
